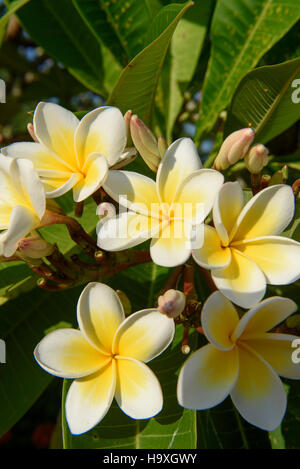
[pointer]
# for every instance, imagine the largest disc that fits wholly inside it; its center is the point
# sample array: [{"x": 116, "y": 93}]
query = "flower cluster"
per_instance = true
[{"x": 238, "y": 251}]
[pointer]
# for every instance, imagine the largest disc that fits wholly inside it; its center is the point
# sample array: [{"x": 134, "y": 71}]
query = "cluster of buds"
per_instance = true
[
  {"x": 236, "y": 147},
  {"x": 150, "y": 148}
]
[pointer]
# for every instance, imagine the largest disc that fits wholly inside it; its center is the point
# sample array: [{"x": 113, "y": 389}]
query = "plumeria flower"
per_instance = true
[
  {"x": 22, "y": 202},
  {"x": 73, "y": 154},
  {"x": 106, "y": 357},
  {"x": 244, "y": 251},
  {"x": 242, "y": 360},
  {"x": 167, "y": 210}
]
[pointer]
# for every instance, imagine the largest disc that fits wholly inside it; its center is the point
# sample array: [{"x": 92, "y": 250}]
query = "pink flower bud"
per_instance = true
[
  {"x": 145, "y": 143},
  {"x": 30, "y": 130},
  {"x": 171, "y": 303},
  {"x": 234, "y": 148},
  {"x": 256, "y": 158},
  {"x": 34, "y": 247},
  {"x": 127, "y": 119}
]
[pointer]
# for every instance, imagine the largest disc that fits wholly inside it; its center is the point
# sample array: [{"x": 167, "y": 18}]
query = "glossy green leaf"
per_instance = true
[
  {"x": 95, "y": 17},
  {"x": 60, "y": 30},
  {"x": 137, "y": 84},
  {"x": 242, "y": 31},
  {"x": 185, "y": 49},
  {"x": 129, "y": 20},
  {"x": 23, "y": 322},
  {"x": 267, "y": 99},
  {"x": 223, "y": 428}
]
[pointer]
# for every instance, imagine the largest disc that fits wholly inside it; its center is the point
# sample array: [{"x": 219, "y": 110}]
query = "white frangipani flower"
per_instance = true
[
  {"x": 73, "y": 154},
  {"x": 22, "y": 202},
  {"x": 242, "y": 360},
  {"x": 107, "y": 357},
  {"x": 244, "y": 251},
  {"x": 167, "y": 210}
]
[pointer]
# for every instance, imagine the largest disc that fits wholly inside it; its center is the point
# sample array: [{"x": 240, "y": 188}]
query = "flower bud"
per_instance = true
[
  {"x": 34, "y": 247},
  {"x": 256, "y": 158},
  {"x": 234, "y": 148},
  {"x": 106, "y": 210},
  {"x": 145, "y": 143},
  {"x": 171, "y": 303},
  {"x": 127, "y": 119},
  {"x": 30, "y": 130}
]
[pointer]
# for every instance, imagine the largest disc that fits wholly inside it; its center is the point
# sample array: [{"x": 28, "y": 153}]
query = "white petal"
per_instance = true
[
  {"x": 268, "y": 213},
  {"x": 41, "y": 157},
  {"x": 278, "y": 258},
  {"x": 55, "y": 128},
  {"x": 207, "y": 377},
  {"x": 219, "y": 318},
  {"x": 32, "y": 186},
  {"x": 89, "y": 399},
  {"x": 258, "y": 394},
  {"x": 197, "y": 193},
  {"x": 144, "y": 335},
  {"x": 227, "y": 207},
  {"x": 242, "y": 281},
  {"x": 132, "y": 190},
  {"x": 264, "y": 317},
  {"x": 56, "y": 187},
  {"x": 173, "y": 247},
  {"x": 125, "y": 230},
  {"x": 99, "y": 314},
  {"x": 22, "y": 222},
  {"x": 102, "y": 131},
  {"x": 180, "y": 160},
  {"x": 67, "y": 354},
  {"x": 138, "y": 391},
  {"x": 95, "y": 170},
  {"x": 277, "y": 350}
]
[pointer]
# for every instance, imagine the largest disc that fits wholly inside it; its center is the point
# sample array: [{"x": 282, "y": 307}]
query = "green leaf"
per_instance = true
[
  {"x": 13, "y": 8},
  {"x": 223, "y": 428},
  {"x": 137, "y": 84},
  {"x": 287, "y": 435},
  {"x": 22, "y": 325},
  {"x": 67, "y": 38},
  {"x": 185, "y": 49},
  {"x": 129, "y": 20},
  {"x": 242, "y": 31},
  {"x": 173, "y": 428},
  {"x": 96, "y": 19},
  {"x": 264, "y": 99}
]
